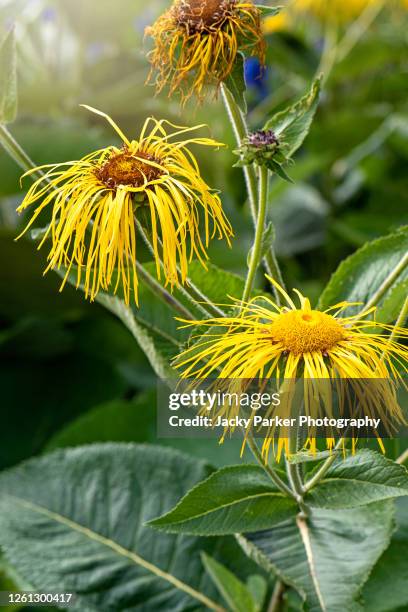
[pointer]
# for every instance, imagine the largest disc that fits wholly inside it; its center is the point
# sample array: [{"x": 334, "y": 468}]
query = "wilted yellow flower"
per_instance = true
[
  {"x": 96, "y": 200},
  {"x": 268, "y": 341},
  {"x": 333, "y": 10},
  {"x": 196, "y": 43}
]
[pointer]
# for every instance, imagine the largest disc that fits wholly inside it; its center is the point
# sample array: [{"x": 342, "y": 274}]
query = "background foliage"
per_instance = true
[{"x": 70, "y": 373}]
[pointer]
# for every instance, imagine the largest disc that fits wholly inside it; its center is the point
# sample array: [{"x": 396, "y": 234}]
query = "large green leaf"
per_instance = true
[
  {"x": 235, "y": 499},
  {"x": 328, "y": 556},
  {"x": 363, "y": 273},
  {"x": 292, "y": 125},
  {"x": 359, "y": 479},
  {"x": 75, "y": 521},
  {"x": 135, "y": 421},
  {"x": 8, "y": 79},
  {"x": 386, "y": 590}
]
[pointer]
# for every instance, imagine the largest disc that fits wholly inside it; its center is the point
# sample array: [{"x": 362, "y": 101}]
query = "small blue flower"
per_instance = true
[{"x": 256, "y": 76}]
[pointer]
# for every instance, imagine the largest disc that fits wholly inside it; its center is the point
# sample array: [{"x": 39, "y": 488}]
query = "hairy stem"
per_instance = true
[
  {"x": 256, "y": 253},
  {"x": 282, "y": 486},
  {"x": 241, "y": 131},
  {"x": 162, "y": 293},
  {"x": 399, "y": 268}
]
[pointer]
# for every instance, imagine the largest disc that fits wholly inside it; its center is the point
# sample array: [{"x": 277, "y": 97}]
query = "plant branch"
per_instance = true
[
  {"x": 16, "y": 152},
  {"x": 322, "y": 471},
  {"x": 403, "y": 263},
  {"x": 402, "y": 458},
  {"x": 282, "y": 486},
  {"x": 256, "y": 253},
  {"x": 276, "y": 599},
  {"x": 189, "y": 290},
  {"x": 241, "y": 131}
]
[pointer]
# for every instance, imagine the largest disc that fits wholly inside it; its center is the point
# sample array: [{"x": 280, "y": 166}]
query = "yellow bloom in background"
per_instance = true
[
  {"x": 276, "y": 23},
  {"x": 96, "y": 200},
  {"x": 196, "y": 43},
  {"x": 287, "y": 342},
  {"x": 340, "y": 11}
]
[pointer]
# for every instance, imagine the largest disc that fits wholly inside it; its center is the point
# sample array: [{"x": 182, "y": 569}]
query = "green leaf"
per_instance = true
[
  {"x": 235, "y": 593},
  {"x": 135, "y": 421},
  {"x": 363, "y": 273},
  {"x": 236, "y": 82},
  {"x": 235, "y": 499},
  {"x": 386, "y": 589},
  {"x": 268, "y": 11},
  {"x": 327, "y": 557},
  {"x": 258, "y": 588},
  {"x": 292, "y": 125},
  {"x": 358, "y": 480},
  {"x": 153, "y": 324},
  {"x": 74, "y": 520},
  {"x": 308, "y": 457},
  {"x": 8, "y": 79}
]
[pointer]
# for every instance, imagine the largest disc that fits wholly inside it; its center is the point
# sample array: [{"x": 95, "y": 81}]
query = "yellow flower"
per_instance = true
[
  {"x": 276, "y": 23},
  {"x": 267, "y": 341},
  {"x": 95, "y": 201},
  {"x": 340, "y": 11},
  {"x": 196, "y": 43}
]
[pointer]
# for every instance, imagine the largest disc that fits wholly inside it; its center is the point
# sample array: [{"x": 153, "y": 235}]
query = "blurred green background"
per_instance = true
[{"x": 70, "y": 373}]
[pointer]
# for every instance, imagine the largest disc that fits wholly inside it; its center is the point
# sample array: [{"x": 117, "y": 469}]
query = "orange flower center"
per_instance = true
[
  {"x": 306, "y": 331},
  {"x": 198, "y": 15},
  {"x": 125, "y": 168}
]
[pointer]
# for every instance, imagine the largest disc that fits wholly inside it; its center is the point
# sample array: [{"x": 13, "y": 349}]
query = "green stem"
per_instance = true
[
  {"x": 400, "y": 322},
  {"x": 276, "y": 599},
  {"x": 256, "y": 253},
  {"x": 241, "y": 131},
  {"x": 399, "y": 268},
  {"x": 402, "y": 458},
  {"x": 239, "y": 127},
  {"x": 189, "y": 290},
  {"x": 162, "y": 293},
  {"x": 17, "y": 153},
  {"x": 282, "y": 486},
  {"x": 322, "y": 471}
]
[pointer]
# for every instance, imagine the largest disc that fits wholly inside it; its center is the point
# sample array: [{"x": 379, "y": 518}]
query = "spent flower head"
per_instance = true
[
  {"x": 196, "y": 43},
  {"x": 96, "y": 202}
]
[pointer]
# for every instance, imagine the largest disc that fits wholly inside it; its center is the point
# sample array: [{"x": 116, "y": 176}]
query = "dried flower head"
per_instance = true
[{"x": 196, "y": 43}]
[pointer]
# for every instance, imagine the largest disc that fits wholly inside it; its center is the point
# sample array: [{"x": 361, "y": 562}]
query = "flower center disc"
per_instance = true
[
  {"x": 125, "y": 169},
  {"x": 200, "y": 14},
  {"x": 301, "y": 331}
]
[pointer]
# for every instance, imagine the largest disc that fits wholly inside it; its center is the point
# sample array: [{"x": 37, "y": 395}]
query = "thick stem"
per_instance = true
[
  {"x": 240, "y": 131},
  {"x": 400, "y": 322},
  {"x": 399, "y": 268},
  {"x": 256, "y": 253},
  {"x": 282, "y": 486}
]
